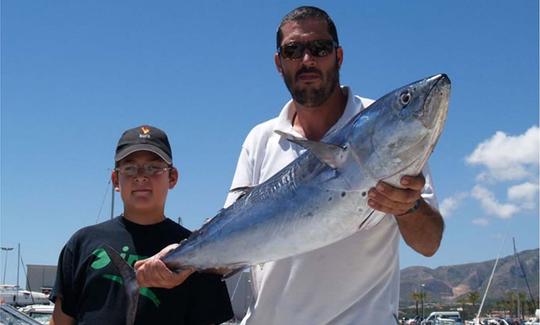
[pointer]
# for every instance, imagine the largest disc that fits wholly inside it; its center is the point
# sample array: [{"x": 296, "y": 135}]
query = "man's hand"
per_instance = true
[
  {"x": 152, "y": 272},
  {"x": 397, "y": 201},
  {"x": 421, "y": 227}
]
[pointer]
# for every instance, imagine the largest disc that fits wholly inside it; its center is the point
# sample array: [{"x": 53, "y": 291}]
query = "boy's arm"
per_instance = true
[
  {"x": 59, "y": 317},
  {"x": 153, "y": 273}
]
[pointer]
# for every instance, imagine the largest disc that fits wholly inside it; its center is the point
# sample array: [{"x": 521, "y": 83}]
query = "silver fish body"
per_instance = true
[{"x": 321, "y": 197}]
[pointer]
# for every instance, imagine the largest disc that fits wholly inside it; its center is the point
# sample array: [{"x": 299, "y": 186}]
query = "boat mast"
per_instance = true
[
  {"x": 18, "y": 264},
  {"x": 518, "y": 262},
  {"x": 489, "y": 282}
]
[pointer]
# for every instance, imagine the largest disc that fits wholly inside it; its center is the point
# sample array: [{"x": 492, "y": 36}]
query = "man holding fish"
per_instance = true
[{"x": 354, "y": 280}]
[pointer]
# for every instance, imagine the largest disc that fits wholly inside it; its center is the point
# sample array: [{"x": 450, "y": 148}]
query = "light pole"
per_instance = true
[{"x": 6, "y": 249}]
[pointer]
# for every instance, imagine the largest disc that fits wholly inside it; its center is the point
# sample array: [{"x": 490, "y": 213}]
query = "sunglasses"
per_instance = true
[
  {"x": 148, "y": 170},
  {"x": 317, "y": 48}
]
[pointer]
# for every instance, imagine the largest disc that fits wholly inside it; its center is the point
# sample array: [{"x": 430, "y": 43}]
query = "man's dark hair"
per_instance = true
[{"x": 306, "y": 12}]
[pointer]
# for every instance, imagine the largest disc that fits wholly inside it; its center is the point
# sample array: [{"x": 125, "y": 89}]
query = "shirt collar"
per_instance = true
[{"x": 285, "y": 117}]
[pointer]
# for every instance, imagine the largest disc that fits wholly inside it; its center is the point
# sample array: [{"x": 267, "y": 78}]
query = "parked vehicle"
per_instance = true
[
  {"x": 9, "y": 315},
  {"x": 443, "y": 318},
  {"x": 13, "y": 295},
  {"x": 414, "y": 321},
  {"x": 41, "y": 313},
  {"x": 496, "y": 321}
]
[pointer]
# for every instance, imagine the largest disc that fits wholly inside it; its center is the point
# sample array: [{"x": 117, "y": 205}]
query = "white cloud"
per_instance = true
[
  {"x": 491, "y": 205},
  {"x": 526, "y": 191},
  {"x": 450, "y": 204},
  {"x": 505, "y": 160},
  {"x": 525, "y": 194},
  {"x": 481, "y": 221},
  {"x": 508, "y": 157}
]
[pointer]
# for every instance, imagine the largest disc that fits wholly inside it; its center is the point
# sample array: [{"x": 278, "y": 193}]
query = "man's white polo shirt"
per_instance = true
[{"x": 353, "y": 281}]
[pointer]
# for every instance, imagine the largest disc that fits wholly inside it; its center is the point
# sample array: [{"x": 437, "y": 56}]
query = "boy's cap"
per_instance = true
[{"x": 144, "y": 138}]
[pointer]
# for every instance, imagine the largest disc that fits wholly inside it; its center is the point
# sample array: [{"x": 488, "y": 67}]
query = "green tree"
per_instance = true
[
  {"x": 523, "y": 305},
  {"x": 463, "y": 301},
  {"x": 423, "y": 297},
  {"x": 473, "y": 297},
  {"x": 416, "y": 296},
  {"x": 510, "y": 300}
]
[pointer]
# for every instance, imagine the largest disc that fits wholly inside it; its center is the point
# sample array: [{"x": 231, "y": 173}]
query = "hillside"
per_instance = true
[{"x": 447, "y": 283}]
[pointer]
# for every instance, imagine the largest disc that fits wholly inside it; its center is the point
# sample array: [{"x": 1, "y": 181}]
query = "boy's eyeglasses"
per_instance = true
[
  {"x": 317, "y": 48},
  {"x": 148, "y": 170}
]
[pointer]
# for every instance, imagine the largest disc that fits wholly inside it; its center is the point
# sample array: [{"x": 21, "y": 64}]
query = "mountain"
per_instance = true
[{"x": 446, "y": 284}]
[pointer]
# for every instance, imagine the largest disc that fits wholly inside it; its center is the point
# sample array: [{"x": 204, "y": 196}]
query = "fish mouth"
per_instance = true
[{"x": 436, "y": 103}]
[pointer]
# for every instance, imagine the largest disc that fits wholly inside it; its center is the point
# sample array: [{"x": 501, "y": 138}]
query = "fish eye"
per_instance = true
[{"x": 405, "y": 97}]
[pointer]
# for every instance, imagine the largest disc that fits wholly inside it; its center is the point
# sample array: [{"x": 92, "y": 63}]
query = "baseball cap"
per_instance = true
[{"x": 144, "y": 138}]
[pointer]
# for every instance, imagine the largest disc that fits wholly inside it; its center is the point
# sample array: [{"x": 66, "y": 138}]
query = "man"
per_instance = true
[
  {"x": 356, "y": 280},
  {"x": 89, "y": 290}
]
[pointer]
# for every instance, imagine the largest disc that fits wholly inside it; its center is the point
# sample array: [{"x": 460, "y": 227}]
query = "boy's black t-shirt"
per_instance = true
[{"x": 92, "y": 290}]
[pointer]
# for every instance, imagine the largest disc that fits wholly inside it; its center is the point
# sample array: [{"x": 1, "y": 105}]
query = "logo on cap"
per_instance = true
[{"x": 145, "y": 132}]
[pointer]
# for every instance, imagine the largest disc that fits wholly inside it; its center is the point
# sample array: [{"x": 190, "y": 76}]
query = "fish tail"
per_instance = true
[{"x": 130, "y": 283}]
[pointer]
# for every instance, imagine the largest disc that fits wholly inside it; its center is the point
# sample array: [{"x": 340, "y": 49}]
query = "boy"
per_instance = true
[{"x": 88, "y": 288}]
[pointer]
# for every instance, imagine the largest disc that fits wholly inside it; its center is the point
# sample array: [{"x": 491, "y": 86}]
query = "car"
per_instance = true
[
  {"x": 41, "y": 313},
  {"x": 414, "y": 321},
  {"x": 443, "y": 318},
  {"x": 497, "y": 321},
  {"x": 12, "y": 316}
]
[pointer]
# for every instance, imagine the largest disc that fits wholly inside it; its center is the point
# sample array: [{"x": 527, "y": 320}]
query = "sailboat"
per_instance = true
[
  {"x": 476, "y": 320},
  {"x": 13, "y": 295}
]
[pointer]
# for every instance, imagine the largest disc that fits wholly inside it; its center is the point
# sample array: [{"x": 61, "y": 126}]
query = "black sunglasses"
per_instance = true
[{"x": 317, "y": 48}]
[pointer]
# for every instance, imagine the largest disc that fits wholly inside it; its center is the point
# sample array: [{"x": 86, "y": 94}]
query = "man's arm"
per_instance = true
[
  {"x": 420, "y": 225},
  {"x": 422, "y": 229},
  {"x": 59, "y": 317}
]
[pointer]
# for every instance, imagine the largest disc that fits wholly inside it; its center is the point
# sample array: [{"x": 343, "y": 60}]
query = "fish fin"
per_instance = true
[
  {"x": 130, "y": 283},
  {"x": 235, "y": 271},
  {"x": 374, "y": 218},
  {"x": 366, "y": 219},
  {"x": 330, "y": 154},
  {"x": 242, "y": 189}
]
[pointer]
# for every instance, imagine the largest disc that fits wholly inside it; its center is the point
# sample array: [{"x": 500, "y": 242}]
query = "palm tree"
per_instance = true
[
  {"x": 419, "y": 296},
  {"x": 462, "y": 301},
  {"x": 472, "y": 298},
  {"x": 416, "y": 297},
  {"x": 423, "y": 297},
  {"x": 522, "y": 298},
  {"x": 510, "y": 300}
]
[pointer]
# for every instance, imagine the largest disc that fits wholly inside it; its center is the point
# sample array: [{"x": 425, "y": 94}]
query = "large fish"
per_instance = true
[{"x": 321, "y": 197}]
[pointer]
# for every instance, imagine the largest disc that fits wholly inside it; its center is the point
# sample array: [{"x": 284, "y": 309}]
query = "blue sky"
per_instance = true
[{"x": 75, "y": 74}]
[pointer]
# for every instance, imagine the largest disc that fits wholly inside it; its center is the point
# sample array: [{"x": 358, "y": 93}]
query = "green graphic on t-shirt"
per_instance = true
[
  {"x": 148, "y": 293},
  {"x": 102, "y": 260}
]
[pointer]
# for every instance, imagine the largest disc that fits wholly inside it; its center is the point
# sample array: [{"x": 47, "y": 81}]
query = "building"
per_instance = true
[{"x": 40, "y": 277}]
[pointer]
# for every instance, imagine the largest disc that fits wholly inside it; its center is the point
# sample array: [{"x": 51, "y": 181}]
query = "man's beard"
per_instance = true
[{"x": 310, "y": 96}]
